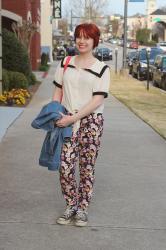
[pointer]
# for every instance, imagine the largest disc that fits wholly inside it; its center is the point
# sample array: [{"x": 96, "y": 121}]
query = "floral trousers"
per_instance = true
[{"x": 83, "y": 149}]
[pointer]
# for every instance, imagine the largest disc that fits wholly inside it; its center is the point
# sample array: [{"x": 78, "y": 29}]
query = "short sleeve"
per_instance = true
[
  {"x": 102, "y": 84},
  {"x": 58, "y": 77}
]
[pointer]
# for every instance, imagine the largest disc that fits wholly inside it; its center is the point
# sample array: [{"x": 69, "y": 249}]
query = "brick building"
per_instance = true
[{"x": 25, "y": 10}]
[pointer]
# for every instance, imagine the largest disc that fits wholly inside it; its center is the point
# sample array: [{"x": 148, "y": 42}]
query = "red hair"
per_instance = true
[{"x": 88, "y": 30}]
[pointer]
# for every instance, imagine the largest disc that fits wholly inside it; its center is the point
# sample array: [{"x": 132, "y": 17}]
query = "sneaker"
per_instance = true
[
  {"x": 68, "y": 215},
  {"x": 81, "y": 218}
]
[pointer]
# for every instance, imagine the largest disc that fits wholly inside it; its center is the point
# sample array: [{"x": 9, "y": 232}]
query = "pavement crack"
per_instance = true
[{"x": 89, "y": 226}]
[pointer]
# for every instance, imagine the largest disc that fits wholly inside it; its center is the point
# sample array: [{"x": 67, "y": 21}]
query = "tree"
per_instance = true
[
  {"x": 15, "y": 56},
  {"x": 143, "y": 35},
  {"x": 63, "y": 26},
  {"x": 115, "y": 27},
  {"x": 90, "y": 10},
  {"x": 25, "y": 33}
]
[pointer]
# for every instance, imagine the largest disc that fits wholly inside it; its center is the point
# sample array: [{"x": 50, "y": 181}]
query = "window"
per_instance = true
[{"x": 164, "y": 62}]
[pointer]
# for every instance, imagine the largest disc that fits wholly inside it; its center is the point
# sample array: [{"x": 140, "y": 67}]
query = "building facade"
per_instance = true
[
  {"x": 0, "y": 46},
  {"x": 151, "y": 7},
  {"x": 46, "y": 27},
  {"x": 135, "y": 23},
  {"x": 28, "y": 10}
]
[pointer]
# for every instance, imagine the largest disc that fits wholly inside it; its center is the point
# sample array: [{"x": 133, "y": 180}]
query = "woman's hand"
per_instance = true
[{"x": 64, "y": 121}]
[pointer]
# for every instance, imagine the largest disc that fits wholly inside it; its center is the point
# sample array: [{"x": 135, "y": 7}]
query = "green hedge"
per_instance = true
[
  {"x": 44, "y": 59},
  {"x": 11, "y": 79},
  {"x": 5, "y": 80},
  {"x": 32, "y": 79}
]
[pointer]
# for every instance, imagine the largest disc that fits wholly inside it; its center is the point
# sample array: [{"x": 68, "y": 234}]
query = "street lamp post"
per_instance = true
[
  {"x": 116, "y": 60},
  {"x": 71, "y": 21},
  {"x": 147, "y": 57}
]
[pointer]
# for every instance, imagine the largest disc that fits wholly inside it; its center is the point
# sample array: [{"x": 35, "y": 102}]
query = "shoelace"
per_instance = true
[
  {"x": 69, "y": 211},
  {"x": 81, "y": 214}
]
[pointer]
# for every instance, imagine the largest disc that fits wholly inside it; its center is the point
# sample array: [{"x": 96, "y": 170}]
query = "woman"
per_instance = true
[{"x": 85, "y": 85}]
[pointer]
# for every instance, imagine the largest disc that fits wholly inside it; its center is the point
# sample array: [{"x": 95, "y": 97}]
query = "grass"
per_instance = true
[{"x": 150, "y": 105}]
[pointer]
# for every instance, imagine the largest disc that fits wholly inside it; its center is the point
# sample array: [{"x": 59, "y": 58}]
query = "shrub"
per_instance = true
[
  {"x": 43, "y": 67},
  {"x": 151, "y": 43},
  {"x": 15, "y": 55},
  {"x": 17, "y": 80},
  {"x": 143, "y": 35},
  {"x": 44, "y": 59},
  {"x": 32, "y": 79},
  {"x": 5, "y": 80}
]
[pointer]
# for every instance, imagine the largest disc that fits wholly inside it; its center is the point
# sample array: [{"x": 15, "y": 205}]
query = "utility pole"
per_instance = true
[
  {"x": 71, "y": 21},
  {"x": 125, "y": 33},
  {"x": 90, "y": 11},
  {"x": 0, "y": 47}
]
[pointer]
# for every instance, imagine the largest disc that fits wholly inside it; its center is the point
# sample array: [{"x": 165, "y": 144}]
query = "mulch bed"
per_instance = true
[{"x": 32, "y": 90}]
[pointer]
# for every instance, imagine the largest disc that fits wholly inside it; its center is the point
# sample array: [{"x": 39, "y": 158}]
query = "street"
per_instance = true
[{"x": 111, "y": 63}]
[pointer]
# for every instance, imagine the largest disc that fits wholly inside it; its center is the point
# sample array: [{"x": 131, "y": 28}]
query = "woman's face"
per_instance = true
[{"x": 84, "y": 44}]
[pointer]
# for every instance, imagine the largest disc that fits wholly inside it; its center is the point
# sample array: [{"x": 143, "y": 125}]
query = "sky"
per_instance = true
[{"x": 117, "y": 6}]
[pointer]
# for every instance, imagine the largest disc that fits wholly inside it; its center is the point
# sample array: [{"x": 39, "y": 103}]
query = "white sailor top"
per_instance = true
[{"x": 79, "y": 85}]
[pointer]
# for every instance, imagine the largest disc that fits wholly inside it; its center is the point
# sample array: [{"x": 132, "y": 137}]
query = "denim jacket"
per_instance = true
[{"x": 51, "y": 150}]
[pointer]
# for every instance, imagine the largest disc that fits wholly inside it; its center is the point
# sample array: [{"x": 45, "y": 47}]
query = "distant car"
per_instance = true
[
  {"x": 71, "y": 51},
  {"x": 120, "y": 42},
  {"x": 139, "y": 69},
  {"x": 113, "y": 41},
  {"x": 162, "y": 45},
  {"x": 134, "y": 45},
  {"x": 61, "y": 53},
  {"x": 159, "y": 72},
  {"x": 128, "y": 44},
  {"x": 103, "y": 53},
  {"x": 130, "y": 56}
]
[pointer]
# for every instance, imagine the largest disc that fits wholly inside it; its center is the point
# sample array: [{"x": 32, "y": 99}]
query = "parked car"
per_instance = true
[
  {"x": 129, "y": 59},
  {"x": 162, "y": 45},
  {"x": 120, "y": 42},
  {"x": 140, "y": 62},
  {"x": 72, "y": 51},
  {"x": 159, "y": 72},
  {"x": 113, "y": 41},
  {"x": 103, "y": 53},
  {"x": 134, "y": 45},
  {"x": 60, "y": 53}
]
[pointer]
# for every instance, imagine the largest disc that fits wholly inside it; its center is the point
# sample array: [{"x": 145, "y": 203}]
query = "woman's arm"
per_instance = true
[
  {"x": 57, "y": 94},
  {"x": 95, "y": 102}
]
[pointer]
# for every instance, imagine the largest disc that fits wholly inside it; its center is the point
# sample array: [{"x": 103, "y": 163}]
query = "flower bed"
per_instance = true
[{"x": 15, "y": 97}]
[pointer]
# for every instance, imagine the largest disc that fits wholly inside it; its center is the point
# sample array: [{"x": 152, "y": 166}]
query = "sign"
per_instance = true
[
  {"x": 56, "y": 8},
  {"x": 157, "y": 19},
  {"x": 136, "y": 1}
]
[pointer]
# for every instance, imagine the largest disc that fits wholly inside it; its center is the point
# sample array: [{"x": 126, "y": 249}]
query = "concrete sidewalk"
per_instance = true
[
  {"x": 128, "y": 210},
  {"x": 8, "y": 115}
]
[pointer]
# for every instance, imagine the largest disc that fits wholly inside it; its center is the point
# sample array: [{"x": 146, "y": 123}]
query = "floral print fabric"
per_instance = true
[{"x": 83, "y": 148}]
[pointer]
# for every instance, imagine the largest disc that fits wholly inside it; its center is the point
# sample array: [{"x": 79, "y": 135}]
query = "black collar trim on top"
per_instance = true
[
  {"x": 98, "y": 74},
  {"x": 69, "y": 65},
  {"x": 89, "y": 70}
]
